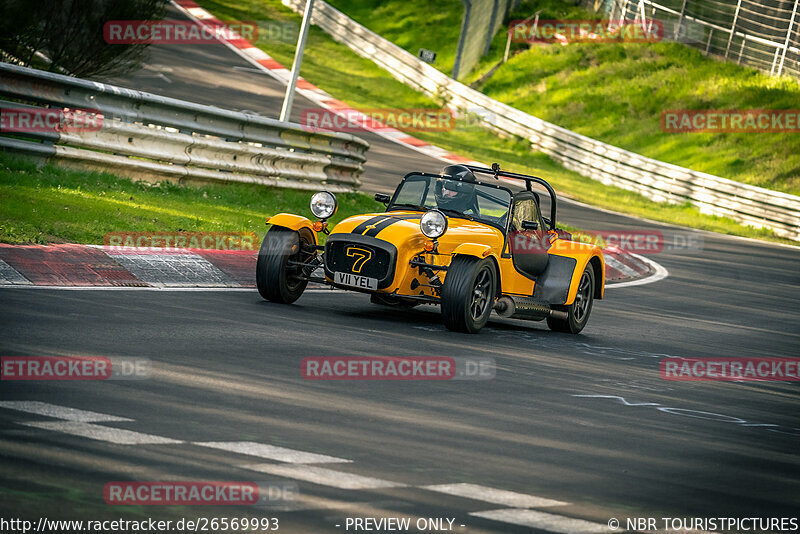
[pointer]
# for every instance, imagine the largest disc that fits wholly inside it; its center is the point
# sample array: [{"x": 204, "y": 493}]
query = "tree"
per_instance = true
[{"x": 67, "y": 35}]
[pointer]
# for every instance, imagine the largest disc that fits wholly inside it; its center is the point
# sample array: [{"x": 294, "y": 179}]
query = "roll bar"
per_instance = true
[{"x": 497, "y": 173}]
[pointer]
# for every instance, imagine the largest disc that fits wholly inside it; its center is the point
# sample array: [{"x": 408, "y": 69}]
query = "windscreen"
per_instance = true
[{"x": 455, "y": 198}]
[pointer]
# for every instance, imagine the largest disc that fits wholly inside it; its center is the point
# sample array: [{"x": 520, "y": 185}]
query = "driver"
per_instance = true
[{"x": 456, "y": 189}]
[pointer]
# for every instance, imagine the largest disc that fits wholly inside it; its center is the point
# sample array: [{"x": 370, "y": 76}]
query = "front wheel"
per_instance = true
[
  {"x": 468, "y": 294},
  {"x": 577, "y": 312},
  {"x": 279, "y": 275}
]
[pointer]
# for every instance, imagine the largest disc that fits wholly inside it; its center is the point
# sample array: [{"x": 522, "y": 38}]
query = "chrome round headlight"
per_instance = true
[
  {"x": 433, "y": 224},
  {"x": 323, "y": 204}
]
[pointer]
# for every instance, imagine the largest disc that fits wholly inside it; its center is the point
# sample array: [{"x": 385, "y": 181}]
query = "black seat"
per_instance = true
[{"x": 528, "y": 245}]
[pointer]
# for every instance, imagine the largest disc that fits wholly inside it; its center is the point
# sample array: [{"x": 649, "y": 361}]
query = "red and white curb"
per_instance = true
[
  {"x": 97, "y": 267},
  {"x": 263, "y": 62}
]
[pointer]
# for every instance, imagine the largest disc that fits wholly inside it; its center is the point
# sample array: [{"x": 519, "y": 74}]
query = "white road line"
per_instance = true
[
  {"x": 544, "y": 521},
  {"x": 494, "y": 496},
  {"x": 271, "y": 452},
  {"x": 103, "y": 433},
  {"x": 660, "y": 274},
  {"x": 60, "y": 412},
  {"x": 323, "y": 476}
]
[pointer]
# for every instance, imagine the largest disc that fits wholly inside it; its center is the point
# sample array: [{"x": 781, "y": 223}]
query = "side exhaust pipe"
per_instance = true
[{"x": 526, "y": 308}]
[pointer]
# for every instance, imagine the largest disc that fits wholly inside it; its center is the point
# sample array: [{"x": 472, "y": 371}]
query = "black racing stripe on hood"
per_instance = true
[
  {"x": 361, "y": 228},
  {"x": 373, "y": 232},
  {"x": 380, "y": 222}
]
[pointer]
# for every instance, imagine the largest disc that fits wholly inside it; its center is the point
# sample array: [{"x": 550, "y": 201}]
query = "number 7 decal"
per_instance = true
[{"x": 362, "y": 256}]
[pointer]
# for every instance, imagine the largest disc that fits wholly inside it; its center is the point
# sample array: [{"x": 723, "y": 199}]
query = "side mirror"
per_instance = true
[
  {"x": 382, "y": 197},
  {"x": 530, "y": 225}
]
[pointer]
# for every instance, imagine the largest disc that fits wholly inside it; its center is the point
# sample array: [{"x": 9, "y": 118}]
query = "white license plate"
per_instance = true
[{"x": 354, "y": 280}]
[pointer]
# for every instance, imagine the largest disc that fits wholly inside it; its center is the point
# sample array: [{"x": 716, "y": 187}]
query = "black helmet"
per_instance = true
[{"x": 455, "y": 190}]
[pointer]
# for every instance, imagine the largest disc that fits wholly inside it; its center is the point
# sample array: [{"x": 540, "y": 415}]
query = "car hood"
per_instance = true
[{"x": 402, "y": 228}]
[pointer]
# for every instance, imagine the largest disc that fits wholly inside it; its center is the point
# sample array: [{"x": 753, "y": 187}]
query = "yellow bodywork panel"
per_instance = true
[
  {"x": 401, "y": 229},
  {"x": 292, "y": 222}
]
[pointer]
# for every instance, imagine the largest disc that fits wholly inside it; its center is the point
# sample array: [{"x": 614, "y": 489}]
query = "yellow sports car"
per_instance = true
[{"x": 447, "y": 239}]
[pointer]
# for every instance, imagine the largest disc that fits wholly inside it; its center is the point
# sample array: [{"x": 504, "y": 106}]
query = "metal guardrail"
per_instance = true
[
  {"x": 763, "y": 34},
  {"x": 656, "y": 180},
  {"x": 154, "y": 137}
]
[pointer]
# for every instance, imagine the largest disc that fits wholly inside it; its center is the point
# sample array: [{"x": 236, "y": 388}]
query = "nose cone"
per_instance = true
[
  {"x": 392, "y": 226},
  {"x": 402, "y": 230}
]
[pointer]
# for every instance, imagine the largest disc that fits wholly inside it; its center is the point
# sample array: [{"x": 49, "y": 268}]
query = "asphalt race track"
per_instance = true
[{"x": 583, "y": 420}]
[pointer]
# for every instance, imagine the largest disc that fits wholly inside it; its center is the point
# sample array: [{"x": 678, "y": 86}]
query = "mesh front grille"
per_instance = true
[{"x": 364, "y": 260}]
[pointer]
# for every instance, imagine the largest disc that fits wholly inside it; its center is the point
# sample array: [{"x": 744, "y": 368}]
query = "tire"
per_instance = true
[
  {"x": 277, "y": 281},
  {"x": 463, "y": 308},
  {"x": 578, "y": 312},
  {"x": 391, "y": 301}
]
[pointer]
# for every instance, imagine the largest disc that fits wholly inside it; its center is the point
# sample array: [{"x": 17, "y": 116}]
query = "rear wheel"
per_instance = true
[
  {"x": 468, "y": 294},
  {"x": 279, "y": 278},
  {"x": 577, "y": 312}
]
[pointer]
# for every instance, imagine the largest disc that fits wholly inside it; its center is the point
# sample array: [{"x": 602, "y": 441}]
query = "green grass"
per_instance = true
[
  {"x": 54, "y": 205},
  {"x": 612, "y": 92},
  {"x": 617, "y": 92}
]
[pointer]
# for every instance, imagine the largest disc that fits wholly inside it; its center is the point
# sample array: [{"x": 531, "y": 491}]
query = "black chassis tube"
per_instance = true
[{"x": 528, "y": 179}]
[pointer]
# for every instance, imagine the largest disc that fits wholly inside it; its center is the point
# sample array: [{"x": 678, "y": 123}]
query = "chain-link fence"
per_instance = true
[{"x": 762, "y": 33}]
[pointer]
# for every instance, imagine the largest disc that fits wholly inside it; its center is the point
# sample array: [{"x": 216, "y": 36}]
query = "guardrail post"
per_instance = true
[
  {"x": 788, "y": 36},
  {"x": 680, "y": 20},
  {"x": 288, "y": 100},
  {"x": 733, "y": 27},
  {"x": 774, "y": 61},
  {"x": 514, "y": 30}
]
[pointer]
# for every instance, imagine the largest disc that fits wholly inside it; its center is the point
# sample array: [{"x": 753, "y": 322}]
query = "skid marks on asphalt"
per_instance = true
[{"x": 695, "y": 414}]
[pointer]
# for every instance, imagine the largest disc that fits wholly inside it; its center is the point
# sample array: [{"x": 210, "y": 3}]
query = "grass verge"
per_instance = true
[{"x": 55, "y": 205}]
